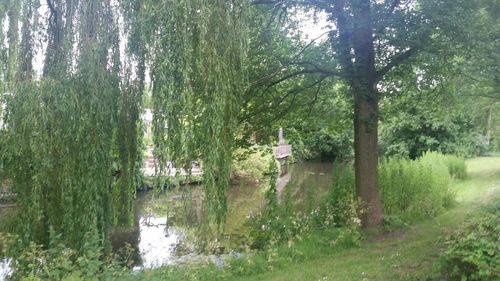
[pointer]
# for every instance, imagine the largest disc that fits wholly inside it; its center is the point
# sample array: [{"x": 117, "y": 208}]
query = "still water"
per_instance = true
[{"x": 167, "y": 226}]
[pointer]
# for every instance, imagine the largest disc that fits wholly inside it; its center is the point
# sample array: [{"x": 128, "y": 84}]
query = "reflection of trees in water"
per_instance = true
[
  {"x": 180, "y": 212},
  {"x": 302, "y": 177},
  {"x": 186, "y": 209},
  {"x": 283, "y": 181}
]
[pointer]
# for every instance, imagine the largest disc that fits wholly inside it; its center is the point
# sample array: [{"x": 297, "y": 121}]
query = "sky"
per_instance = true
[{"x": 313, "y": 28}]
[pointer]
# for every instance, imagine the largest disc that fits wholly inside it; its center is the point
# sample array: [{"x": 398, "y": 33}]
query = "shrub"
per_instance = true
[
  {"x": 325, "y": 143},
  {"x": 251, "y": 163},
  {"x": 411, "y": 135},
  {"x": 416, "y": 188},
  {"x": 473, "y": 250},
  {"x": 301, "y": 150},
  {"x": 331, "y": 144},
  {"x": 339, "y": 207},
  {"x": 278, "y": 224},
  {"x": 58, "y": 262}
]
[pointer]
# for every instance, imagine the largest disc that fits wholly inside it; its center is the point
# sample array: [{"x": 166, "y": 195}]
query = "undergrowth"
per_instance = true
[
  {"x": 473, "y": 250},
  {"x": 34, "y": 262},
  {"x": 420, "y": 188}
]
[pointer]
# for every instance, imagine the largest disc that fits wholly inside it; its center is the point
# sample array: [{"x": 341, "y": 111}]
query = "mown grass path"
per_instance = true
[{"x": 411, "y": 254}]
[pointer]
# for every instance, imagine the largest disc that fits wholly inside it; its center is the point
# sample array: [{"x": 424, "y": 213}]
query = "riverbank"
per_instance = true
[{"x": 407, "y": 253}]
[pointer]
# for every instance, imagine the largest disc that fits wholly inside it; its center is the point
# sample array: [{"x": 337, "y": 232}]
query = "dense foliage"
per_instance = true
[
  {"x": 410, "y": 129},
  {"x": 252, "y": 164},
  {"x": 472, "y": 251},
  {"x": 410, "y": 189},
  {"x": 288, "y": 222},
  {"x": 60, "y": 130},
  {"x": 60, "y": 262},
  {"x": 416, "y": 188},
  {"x": 71, "y": 140},
  {"x": 198, "y": 49}
]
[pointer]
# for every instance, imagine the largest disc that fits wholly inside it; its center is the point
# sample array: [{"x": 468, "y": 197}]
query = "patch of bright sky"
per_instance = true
[
  {"x": 313, "y": 25},
  {"x": 42, "y": 44}
]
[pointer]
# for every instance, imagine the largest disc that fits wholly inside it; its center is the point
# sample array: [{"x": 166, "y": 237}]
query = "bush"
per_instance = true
[
  {"x": 473, "y": 250},
  {"x": 321, "y": 143},
  {"x": 301, "y": 150},
  {"x": 415, "y": 188},
  {"x": 339, "y": 207},
  {"x": 58, "y": 262},
  {"x": 251, "y": 164},
  {"x": 411, "y": 135},
  {"x": 331, "y": 145},
  {"x": 278, "y": 224},
  {"x": 456, "y": 166}
]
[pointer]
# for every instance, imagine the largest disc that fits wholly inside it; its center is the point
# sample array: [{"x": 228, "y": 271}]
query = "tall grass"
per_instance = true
[
  {"x": 339, "y": 206},
  {"x": 415, "y": 188},
  {"x": 409, "y": 188},
  {"x": 456, "y": 166}
]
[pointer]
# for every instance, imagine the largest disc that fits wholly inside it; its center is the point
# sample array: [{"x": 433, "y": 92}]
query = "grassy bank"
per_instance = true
[{"x": 406, "y": 254}]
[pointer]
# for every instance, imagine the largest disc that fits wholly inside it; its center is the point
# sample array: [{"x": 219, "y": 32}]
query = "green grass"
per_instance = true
[{"x": 410, "y": 254}]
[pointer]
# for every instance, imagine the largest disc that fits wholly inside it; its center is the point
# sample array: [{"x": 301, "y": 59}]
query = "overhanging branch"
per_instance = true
[
  {"x": 279, "y": 100},
  {"x": 395, "y": 61}
]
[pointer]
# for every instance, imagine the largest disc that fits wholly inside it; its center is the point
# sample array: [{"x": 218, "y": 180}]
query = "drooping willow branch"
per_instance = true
[
  {"x": 59, "y": 142},
  {"x": 198, "y": 78}
]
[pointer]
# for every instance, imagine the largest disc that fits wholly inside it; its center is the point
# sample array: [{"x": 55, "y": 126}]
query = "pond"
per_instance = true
[{"x": 168, "y": 226}]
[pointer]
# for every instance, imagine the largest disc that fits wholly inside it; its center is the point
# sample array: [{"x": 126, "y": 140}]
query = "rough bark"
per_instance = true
[
  {"x": 366, "y": 157},
  {"x": 363, "y": 87}
]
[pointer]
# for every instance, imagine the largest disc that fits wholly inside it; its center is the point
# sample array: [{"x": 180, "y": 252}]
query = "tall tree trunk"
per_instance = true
[
  {"x": 365, "y": 94},
  {"x": 366, "y": 157}
]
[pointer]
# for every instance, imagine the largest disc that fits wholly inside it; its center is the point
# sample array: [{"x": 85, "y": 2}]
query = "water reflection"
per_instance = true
[
  {"x": 157, "y": 241},
  {"x": 165, "y": 222},
  {"x": 5, "y": 269}
]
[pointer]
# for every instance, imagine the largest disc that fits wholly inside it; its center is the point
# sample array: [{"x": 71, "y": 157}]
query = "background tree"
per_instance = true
[{"x": 368, "y": 40}]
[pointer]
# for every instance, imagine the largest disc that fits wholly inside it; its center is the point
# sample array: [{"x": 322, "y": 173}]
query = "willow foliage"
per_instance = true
[
  {"x": 198, "y": 77},
  {"x": 65, "y": 131},
  {"x": 72, "y": 136}
]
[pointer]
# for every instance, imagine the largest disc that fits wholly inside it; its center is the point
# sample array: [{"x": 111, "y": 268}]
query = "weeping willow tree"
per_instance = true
[
  {"x": 65, "y": 131},
  {"x": 197, "y": 49},
  {"x": 129, "y": 132},
  {"x": 71, "y": 141}
]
